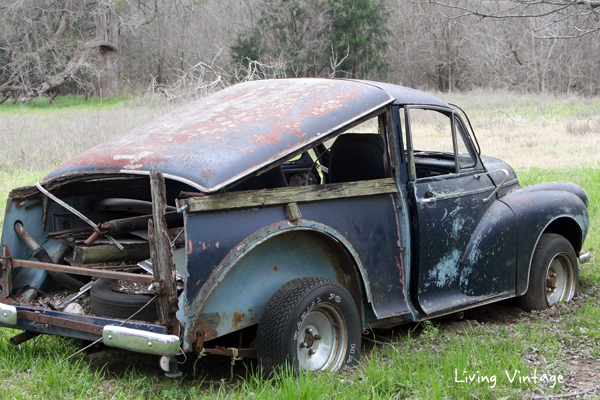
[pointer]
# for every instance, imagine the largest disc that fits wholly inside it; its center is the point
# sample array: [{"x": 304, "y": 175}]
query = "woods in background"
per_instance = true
[{"x": 190, "y": 47}]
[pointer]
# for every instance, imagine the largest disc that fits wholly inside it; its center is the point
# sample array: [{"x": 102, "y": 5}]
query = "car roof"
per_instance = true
[{"x": 226, "y": 136}]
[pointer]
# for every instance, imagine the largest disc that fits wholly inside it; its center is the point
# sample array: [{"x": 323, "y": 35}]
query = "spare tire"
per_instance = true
[{"x": 108, "y": 303}]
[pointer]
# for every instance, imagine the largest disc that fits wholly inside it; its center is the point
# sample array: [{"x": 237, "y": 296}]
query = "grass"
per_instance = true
[
  {"x": 420, "y": 361},
  {"x": 68, "y": 101}
]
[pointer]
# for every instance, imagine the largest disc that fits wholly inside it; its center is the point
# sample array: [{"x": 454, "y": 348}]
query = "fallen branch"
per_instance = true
[{"x": 70, "y": 70}]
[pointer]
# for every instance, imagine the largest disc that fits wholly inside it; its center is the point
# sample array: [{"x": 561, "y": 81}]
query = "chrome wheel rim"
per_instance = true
[
  {"x": 322, "y": 339},
  {"x": 560, "y": 285}
]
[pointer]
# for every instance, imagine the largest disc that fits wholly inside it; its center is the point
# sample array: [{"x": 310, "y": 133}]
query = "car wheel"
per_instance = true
[
  {"x": 107, "y": 303},
  {"x": 554, "y": 275},
  {"x": 309, "y": 324}
]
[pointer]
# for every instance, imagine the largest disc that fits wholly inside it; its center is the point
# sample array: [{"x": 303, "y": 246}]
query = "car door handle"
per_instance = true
[{"x": 428, "y": 199}]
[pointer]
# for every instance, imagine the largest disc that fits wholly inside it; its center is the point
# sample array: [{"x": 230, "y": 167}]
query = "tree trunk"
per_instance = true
[{"x": 107, "y": 30}]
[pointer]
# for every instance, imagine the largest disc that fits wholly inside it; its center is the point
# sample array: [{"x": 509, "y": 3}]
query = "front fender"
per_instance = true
[
  {"x": 489, "y": 262},
  {"x": 237, "y": 291},
  {"x": 556, "y": 207}
]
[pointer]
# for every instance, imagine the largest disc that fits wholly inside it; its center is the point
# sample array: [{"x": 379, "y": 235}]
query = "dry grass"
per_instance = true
[
  {"x": 39, "y": 139},
  {"x": 546, "y": 131}
]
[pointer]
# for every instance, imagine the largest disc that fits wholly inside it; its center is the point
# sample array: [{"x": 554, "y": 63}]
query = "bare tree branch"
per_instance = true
[{"x": 577, "y": 11}]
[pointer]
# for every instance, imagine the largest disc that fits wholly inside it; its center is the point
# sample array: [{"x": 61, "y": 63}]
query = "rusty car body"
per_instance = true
[{"x": 278, "y": 219}]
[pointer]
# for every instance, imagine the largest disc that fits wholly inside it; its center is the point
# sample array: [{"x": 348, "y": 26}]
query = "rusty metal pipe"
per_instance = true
[
  {"x": 98, "y": 273},
  {"x": 26, "y": 237},
  {"x": 23, "y": 337},
  {"x": 126, "y": 225},
  {"x": 42, "y": 255}
]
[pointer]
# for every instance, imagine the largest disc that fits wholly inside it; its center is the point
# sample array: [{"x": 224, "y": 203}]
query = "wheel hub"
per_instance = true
[
  {"x": 323, "y": 340},
  {"x": 309, "y": 340},
  {"x": 559, "y": 279},
  {"x": 551, "y": 281}
]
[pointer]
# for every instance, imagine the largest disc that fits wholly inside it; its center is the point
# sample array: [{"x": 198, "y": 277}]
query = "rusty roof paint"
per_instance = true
[{"x": 223, "y": 137}]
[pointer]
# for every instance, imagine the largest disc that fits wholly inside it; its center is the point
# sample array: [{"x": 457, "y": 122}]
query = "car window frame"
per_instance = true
[{"x": 454, "y": 120}]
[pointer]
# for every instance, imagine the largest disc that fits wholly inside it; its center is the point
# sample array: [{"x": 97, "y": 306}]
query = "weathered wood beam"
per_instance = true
[
  {"x": 110, "y": 253},
  {"x": 161, "y": 251},
  {"x": 286, "y": 195}
]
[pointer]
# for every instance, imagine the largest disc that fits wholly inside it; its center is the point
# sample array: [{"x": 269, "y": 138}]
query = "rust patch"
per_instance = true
[
  {"x": 198, "y": 283},
  {"x": 203, "y": 246},
  {"x": 207, "y": 323},
  {"x": 190, "y": 247},
  {"x": 400, "y": 269},
  {"x": 238, "y": 321},
  {"x": 275, "y": 269},
  {"x": 217, "y": 244}
]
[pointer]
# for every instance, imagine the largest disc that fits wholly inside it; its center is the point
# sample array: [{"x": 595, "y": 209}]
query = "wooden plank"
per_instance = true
[
  {"x": 161, "y": 251},
  {"x": 110, "y": 253},
  {"x": 293, "y": 211},
  {"x": 296, "y": 194}
]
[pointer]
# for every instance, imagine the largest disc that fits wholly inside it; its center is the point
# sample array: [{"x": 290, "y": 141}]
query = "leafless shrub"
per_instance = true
[{"x": 579, "y": 127}]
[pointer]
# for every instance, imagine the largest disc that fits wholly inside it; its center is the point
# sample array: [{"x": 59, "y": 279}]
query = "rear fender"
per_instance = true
[{"x": 237, "y": 291}]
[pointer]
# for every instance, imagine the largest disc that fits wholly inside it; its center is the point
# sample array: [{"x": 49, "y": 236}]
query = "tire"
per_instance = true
[
  {"x": 310, "y": 324},
  {"x": 554, "y": 275},
  {"x": 107, "y": 303}
]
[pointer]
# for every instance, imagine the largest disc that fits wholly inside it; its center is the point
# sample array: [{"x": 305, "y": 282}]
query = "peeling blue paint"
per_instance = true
[
  {"x": 446, "y": 270},
  {"x": 457, "y": 225}
]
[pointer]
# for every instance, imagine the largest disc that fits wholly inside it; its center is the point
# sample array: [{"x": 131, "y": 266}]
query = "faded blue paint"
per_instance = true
[
  {"x": 241, "y": 296},
  {"x": 446, "y": 227},
  {"x": 446, "y": 271},
  {"x": 457, "y": 225}
]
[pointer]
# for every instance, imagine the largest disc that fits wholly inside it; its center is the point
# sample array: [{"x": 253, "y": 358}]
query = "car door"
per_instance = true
[{"x": 451, "y": 194}]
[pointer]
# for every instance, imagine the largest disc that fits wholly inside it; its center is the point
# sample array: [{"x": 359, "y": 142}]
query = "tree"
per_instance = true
[
  {"x": 561, "y": 19},
  {"x": 360, "y": 28},
  {"x": 290, "y": 32},
  {"x": 46, "y": 44},
  {"x": 317, "y": 38},
  {"x": 107, "y": 31}
]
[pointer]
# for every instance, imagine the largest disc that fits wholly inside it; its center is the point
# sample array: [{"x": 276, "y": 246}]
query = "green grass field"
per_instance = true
[{"x": 431, "y": 360}]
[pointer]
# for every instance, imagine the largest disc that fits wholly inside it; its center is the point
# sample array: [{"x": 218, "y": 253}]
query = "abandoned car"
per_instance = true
[{"x": 279, "y": 219}]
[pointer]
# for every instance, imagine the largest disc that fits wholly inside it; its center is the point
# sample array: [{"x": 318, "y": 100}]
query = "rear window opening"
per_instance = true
[{"x": 357, "y": 154}]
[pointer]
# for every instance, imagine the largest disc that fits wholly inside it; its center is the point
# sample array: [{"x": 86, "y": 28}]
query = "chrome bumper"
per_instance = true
[
  {"x": 8, "y": 314},
  {"x": 140, "y": 341},
  {"x": 584, "y": 256}
]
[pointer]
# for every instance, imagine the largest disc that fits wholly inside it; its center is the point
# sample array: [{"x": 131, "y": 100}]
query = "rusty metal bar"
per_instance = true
[
  {"x": 6, "y": 279},
  {"x": 228, "y": 352},
  {"x": 23, "y": 337},
  {"x": 126, "y": 276},
  {"x": 62, "y": 322}
]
